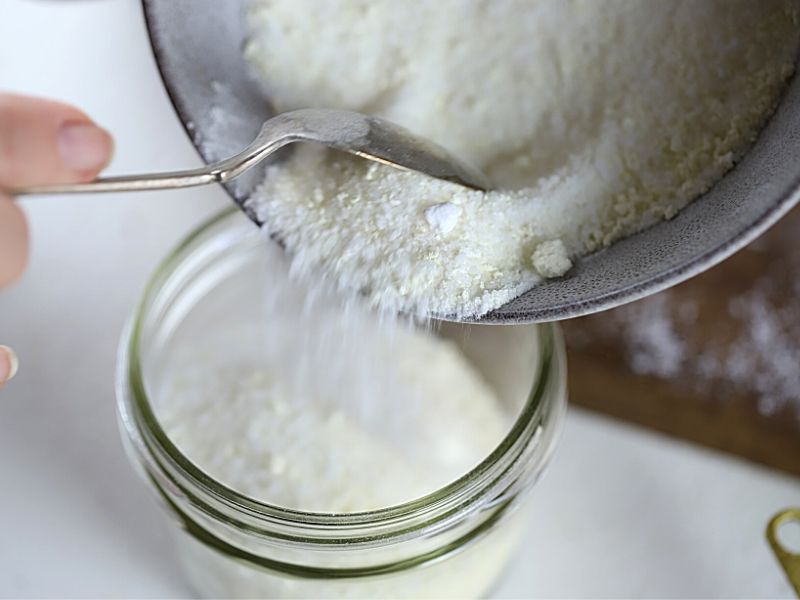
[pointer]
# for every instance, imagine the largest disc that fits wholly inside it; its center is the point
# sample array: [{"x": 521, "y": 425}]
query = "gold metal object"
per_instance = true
[{"x": 790, "y": 561}]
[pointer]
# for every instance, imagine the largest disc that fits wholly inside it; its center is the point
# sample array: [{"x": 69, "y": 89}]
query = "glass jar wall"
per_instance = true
[{"x": 454, "y": 542}]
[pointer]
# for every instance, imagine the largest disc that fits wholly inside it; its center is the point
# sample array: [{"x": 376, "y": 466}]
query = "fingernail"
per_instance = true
[
  {"x": 84, "y": 146},
  {"x": 8, "y": 364}
]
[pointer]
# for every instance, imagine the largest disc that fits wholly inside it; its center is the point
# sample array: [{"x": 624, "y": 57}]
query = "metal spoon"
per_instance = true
[{"x": 368, "y": 137}]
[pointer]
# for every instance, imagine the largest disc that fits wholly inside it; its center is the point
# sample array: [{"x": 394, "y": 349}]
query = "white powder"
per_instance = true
[
  {"x": 324, "y": 407},
  {"x": 593, "y": 119}
]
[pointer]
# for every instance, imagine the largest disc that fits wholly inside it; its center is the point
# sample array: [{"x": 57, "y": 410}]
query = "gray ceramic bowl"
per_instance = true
[{"x": 197, "y": 44}]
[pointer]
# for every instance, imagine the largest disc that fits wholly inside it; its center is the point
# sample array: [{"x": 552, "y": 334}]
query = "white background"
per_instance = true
[{"x": 621, "y": 512}]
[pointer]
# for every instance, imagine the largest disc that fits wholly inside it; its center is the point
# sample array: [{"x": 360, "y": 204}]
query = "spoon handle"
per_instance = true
[
  {"x": 131, "y": 183},
  {"x": 220, "y": 172}
]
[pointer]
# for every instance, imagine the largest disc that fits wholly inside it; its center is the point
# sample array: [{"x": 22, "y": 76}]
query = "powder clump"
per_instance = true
[{"x": 550, "y": 259}]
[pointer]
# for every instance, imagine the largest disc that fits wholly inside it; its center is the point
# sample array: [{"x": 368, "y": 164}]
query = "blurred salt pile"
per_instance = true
[{"x": 733, "y": 329}]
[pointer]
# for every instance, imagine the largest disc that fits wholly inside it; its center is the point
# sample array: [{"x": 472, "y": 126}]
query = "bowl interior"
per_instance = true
[{"x": 197, "y": 45}]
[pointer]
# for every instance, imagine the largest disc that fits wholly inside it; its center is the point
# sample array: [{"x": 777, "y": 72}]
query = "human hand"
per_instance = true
[{"x": 41, "y": 142}]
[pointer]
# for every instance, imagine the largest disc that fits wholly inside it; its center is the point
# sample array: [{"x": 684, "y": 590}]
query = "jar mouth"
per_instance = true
[{"x": 480, "y": 486}]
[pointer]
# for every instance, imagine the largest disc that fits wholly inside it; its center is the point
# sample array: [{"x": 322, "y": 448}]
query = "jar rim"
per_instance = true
[{"x": 139, "y": 418}]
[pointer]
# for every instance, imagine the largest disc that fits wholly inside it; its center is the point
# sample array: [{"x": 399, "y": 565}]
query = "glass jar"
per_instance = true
[{"x": 453, "y": 542}]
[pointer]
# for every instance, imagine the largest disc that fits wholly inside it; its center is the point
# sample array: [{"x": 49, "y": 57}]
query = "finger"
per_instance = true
[
  {"x": 8, "y": 364},
  {"x": 13, "y": 241},
  {"x": 43, "y": 142}
]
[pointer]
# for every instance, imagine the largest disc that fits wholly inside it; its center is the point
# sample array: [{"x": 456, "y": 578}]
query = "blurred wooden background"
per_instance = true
[{"x": 715, "y": 360}]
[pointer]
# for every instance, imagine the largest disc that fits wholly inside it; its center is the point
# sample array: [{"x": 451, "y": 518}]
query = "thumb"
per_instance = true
[
  {"x": 8, "y": 364},
  {"x": 13, "y": 241},
  {"x": 43, "y": 142}
]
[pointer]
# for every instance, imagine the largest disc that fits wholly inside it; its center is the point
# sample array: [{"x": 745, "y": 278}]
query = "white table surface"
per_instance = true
[{"x": 621, "y": 513}]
